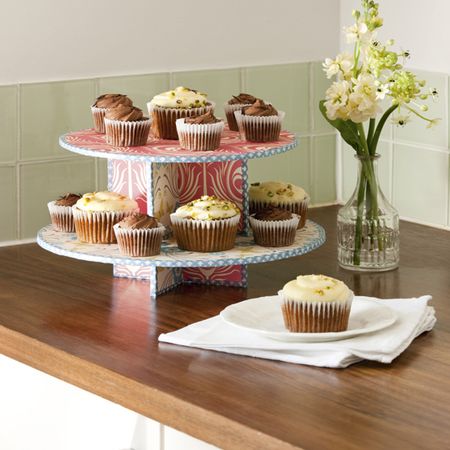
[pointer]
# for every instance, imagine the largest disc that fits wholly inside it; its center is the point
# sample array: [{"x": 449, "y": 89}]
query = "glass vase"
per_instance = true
[{"x": 368, "y": 225}]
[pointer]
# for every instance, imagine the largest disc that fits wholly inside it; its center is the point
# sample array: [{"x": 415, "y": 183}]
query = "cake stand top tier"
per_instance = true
[{"x": 90, "y": 143}]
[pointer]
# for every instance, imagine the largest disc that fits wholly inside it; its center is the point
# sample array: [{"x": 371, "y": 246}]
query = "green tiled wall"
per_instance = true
[
  {"x": 35, "y": 170},
  {"x": 414, "y": 169}
]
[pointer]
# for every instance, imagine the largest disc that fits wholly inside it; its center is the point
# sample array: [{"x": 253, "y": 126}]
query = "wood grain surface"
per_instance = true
[{"x": 74, "y": 321}]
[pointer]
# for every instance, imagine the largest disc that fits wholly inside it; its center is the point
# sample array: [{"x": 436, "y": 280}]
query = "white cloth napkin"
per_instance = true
[{"x": 414, "y": 318}]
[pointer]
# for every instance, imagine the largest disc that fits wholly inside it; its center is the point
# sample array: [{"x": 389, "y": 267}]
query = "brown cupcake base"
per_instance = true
[
  {"x": 275, "y": 233},
  {"x": 141, "y": 242},
  {"x": 205, "y": 235},
  {"x": 61, "y": 217},
  {"x": 120, "y": 133},
  {"x": 259, "y": 128},
  {"x": 98, "y": 115}
]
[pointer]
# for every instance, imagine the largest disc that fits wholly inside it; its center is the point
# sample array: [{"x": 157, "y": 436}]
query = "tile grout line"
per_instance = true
[
  {"x": 17, "y": 164},
  {"x": 311, "y": 140}
]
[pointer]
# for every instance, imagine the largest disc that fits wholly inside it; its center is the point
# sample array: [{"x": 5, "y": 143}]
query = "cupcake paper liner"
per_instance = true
[
  {"x": 120, "y": 133},
  {"x": 164, "y": 119},
  {"x": 98, "y": 114},
  {"x": 139, "y": 242},
  {"x": 62, "y": 217},
  {"x": 199, "y": 137},
  {"x": 299, "y": 208},
  {"x": 205, "y": 235},
  {"x": 259, "y": 128},
  {"x": 315, "y": 317},
  {"x": 96, "y": 227},
  {"x": 229, "y": 112},
  {"x": 274, "y": 233}
]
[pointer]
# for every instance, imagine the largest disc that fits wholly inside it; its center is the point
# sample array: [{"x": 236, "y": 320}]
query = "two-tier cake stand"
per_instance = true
[{"x": 160, "y": 176}]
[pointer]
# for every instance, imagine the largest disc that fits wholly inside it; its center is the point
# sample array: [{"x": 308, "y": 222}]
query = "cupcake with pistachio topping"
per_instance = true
[
  {"x": 104, "y": 103},
  {"x": 139, "y": 235},
  {"x": 181, "y": 102},
  {"x": 315, "y": 304},
  {"x": 200, "y": 133},
  {"x": 207, "y": 224},
  {"x": 236, "y": 103},
  {"x": 281, "y": 195},
  {"x": 126, "y": 126},
  {"x": 259, "y": 122},
  {"x": 61, "y": 212},
  {"x": 96, "y": 213}
]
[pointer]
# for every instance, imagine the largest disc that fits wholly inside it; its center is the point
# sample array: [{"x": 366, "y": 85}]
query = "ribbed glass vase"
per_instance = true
[{"x": 368, "y": 225}]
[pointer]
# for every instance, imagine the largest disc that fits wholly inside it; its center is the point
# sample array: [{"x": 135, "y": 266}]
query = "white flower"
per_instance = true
[
  {"x": 401, "y": 120},
  {"x": 363, "y": 103},
  {"x": 382, "y": 90},
  {"x": 342, "y": 65},
  {"x": 358, "y": 31},
  {"x": 336, "y": 99}
]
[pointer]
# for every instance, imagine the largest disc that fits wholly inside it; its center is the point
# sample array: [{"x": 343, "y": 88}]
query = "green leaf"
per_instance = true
[{"x": 346, "y": 128}]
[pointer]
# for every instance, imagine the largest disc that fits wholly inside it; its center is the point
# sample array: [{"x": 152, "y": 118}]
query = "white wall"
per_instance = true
[
  {"x": 56, "y": 39},
  {"x": 416, "y": 25}
]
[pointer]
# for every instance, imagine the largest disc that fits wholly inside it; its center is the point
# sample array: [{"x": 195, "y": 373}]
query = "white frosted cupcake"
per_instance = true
[
  {"x": 139, "y": 235},
  {"x": 315, "y": 304},
  {"x": 208, "y": 224},
  {"x": 200, "y": 133},
  {"x": 104, "y": 103},
  {"x": 165, "y": 108},
  {"x": 281, "y": 195},
  {"x": 61, "y": 212},
  {"x": 96, "y": 213}
]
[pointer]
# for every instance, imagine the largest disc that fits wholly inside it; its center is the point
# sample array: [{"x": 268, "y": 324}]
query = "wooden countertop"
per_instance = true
[{"x": 74, "y": 321}]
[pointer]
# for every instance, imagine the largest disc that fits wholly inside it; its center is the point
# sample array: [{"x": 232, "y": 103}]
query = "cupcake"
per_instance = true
[
  {"x": 208, "y": 224},
  {"x": 126, "y": 126},
  {"x": 96, "y": 213},
  {"x": 61, "y": 212},
  {"x": 236, "y": 103},
  {"x": 139, "y": 235},
  {"x": 259, "y": 122},
  {"x": 166, "y": 108},
  {"x": 279, "y": 194},
  {"x": 274, "y": 227},
  {"x": 103, "y": 104},
  {"x": 200, "y": 133},
  {"x": 315, "y": 304}
]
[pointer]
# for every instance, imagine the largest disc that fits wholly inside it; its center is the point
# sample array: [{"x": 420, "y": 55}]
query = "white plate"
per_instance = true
[{"x": 263, "y": 316}]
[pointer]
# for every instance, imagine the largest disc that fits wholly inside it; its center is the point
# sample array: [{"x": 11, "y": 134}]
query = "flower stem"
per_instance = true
[{"x": 376, "y": 136}]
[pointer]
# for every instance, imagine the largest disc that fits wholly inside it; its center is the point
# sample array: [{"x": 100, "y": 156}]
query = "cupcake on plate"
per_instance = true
[
  {"x": 315, "y": 304},
  {"x": 207, "y": 224},
  {"x": 181, "y": 102},
  {"x": 139, "y": 235},
  {"x": 126, "y": 126},
  {"x": 274, "y": 227},
  {"x": 259, "y": 122},
  {"x": 96, "y": 213},
  {"x": 236, "y": 103},
  {"x": 61, "y": 212},
  {"x": 281, "y": 195},
  {"x": 103, "y": 104},
  {"x": 200, "y": 133}
]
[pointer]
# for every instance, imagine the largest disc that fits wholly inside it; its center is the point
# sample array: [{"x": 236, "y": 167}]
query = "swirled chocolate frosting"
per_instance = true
[
  {"x": 125, "y": 113},
  {"x": 242, "y": 99},
  {"x": 209, "y": 117},
  {"x": 273, "y": 213},
  {"x": 259, "y": 108},
  {"x": 138, "y": 221},
  {"x": 68, "y": 199},
  {"x": 112, "y": 101}
]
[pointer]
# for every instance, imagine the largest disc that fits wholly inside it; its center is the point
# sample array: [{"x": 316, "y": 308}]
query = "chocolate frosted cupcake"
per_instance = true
[
  {"x": 259, "y": 122},
  {"x": 279, "y": 194},
  {"x": 208, "y": 224},
  {"x": 139, "y": 235},
  {"x": 126, "y": 126},
  {"x": 274, "y": 227},
  {"x": 61, "y": 212},
  {"x": 103, "y": 104},
  {"x": 181, "y": 102},
  {"x": 316, "y": 304},
  {"x": 96, "y": 213},
  {"x": 236, "y": 103},
  {"x": 200, "y": 133}
]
